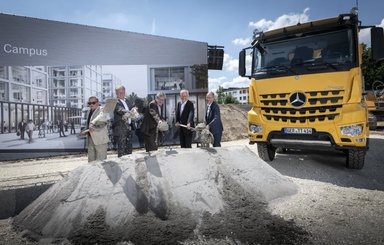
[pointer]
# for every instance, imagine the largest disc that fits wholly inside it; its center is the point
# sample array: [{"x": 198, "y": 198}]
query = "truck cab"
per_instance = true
[{"x": 306, "y": 88}]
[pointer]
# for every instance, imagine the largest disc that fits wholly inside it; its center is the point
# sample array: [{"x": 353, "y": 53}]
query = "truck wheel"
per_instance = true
[
  {"x": 355, "y": 158},
  {"x": 266, "y": 152}
]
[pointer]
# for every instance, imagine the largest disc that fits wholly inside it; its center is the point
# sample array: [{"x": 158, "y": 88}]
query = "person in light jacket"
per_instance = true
[
  {"x": 29, "y": 128},
  {"x": 96, "y": 130}
]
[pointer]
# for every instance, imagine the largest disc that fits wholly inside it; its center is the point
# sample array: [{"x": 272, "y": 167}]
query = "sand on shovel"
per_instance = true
[{"x": 170, "y": 196}]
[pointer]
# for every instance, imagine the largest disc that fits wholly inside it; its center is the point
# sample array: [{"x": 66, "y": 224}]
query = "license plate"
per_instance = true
[{"x": 298, "y": 130}]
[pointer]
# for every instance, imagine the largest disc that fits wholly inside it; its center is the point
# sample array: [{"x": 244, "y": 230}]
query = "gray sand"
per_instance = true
[{"x": 171, "y": 196}]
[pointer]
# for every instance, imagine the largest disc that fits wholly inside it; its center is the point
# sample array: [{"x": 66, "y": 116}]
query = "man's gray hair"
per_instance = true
[
  {"x": 161, "y": 94},
  {"x": 211, "y": 93},
  {"x": 119, "y": 87},
  {"x": 184, "y": 91}
]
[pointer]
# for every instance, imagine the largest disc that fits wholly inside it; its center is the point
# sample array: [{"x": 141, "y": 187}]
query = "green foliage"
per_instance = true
[
  {"x": 220, "y": 95},
  {"x": 372, "y": 71},
  {"x": 223, "y": 98},
  {"x": 200, "y": 72},
  {"x": 229, "y": 99},
  {"x": 132, "y": 98}
]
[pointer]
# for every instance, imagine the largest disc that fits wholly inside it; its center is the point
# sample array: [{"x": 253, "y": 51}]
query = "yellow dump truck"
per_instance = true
[{"x": 306, "y": 88}]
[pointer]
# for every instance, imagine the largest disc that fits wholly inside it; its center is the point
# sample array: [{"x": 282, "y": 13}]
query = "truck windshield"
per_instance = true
[{"x": 325, "y": 52}]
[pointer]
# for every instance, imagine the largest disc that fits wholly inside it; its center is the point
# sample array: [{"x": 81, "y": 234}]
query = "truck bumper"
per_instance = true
[{"x": 325, "y": 134}]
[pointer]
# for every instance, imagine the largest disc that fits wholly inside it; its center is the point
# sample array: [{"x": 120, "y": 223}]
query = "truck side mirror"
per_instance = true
[
  {"x": 242, "y": 63},
  {"x": 377, "y": 43}
]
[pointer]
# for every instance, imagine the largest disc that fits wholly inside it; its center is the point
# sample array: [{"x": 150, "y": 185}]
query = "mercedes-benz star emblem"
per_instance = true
[{"x": 297, "y": 99}]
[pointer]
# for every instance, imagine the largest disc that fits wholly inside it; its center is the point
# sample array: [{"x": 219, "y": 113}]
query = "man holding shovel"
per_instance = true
[{"x": 185, "y": 114}]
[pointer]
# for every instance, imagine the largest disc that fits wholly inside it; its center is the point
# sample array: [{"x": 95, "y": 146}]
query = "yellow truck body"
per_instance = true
[{"x": 306, "y": 89}]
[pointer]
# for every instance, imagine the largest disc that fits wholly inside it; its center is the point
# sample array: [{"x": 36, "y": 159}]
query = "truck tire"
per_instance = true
[
  {"x": 355, "y": 158},
  {"x": 266, "y": 151}
]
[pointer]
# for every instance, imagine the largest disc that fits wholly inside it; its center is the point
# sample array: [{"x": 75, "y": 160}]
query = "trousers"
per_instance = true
[{"x": 96, "y": 152}]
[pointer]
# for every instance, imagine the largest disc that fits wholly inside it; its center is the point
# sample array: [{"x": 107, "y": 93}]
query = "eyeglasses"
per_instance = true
[{"x": 92, "y": 103}]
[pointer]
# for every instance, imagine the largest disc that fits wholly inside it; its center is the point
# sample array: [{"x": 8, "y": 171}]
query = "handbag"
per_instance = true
[{"x": 18, "y": 133}]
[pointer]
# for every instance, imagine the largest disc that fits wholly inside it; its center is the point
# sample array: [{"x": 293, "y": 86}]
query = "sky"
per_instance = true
[{"x": 227, "y": 23}]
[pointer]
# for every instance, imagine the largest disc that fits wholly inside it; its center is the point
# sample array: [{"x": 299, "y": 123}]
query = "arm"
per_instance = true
[
  {"x": 153, "y": 112},
  {"x": 119, "y": 109},
  {"x": 101, "y": 119},
  {"x": 216, "y": 113},
  {"x": 191, "y": 114}
]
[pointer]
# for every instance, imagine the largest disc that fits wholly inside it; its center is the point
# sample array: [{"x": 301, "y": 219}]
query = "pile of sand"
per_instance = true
[
  {"x": 235, "y": 121},
  {"x": 173, "y": 195}
]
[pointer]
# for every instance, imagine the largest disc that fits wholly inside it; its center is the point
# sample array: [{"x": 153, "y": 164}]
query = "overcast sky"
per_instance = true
[{"x": 217, "y": 22}]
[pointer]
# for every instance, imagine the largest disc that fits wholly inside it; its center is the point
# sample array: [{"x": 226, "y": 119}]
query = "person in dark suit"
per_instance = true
[
  {"x": 213, "y": 119},
  {"x": 122, "y": 125},
  {"x": 185, "y": 113},
  {"x": 21, "y": 127},
  {"x": 152, "y": 117},
  {"x": 61, "y": 128}
]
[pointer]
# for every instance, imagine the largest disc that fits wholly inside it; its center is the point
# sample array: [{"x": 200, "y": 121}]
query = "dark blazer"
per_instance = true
[
  {"x": 151, "y": 119},
  {"x": 118, "y": 113},
  {"x": 188, "y": 114},
  {"x": 213, "y": 119}
]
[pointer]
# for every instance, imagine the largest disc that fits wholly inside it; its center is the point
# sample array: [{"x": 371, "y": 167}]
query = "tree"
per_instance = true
[
  {"x": 372, "y": 71},
  {"x": 220, "y": 95},
  {"x": 132, "y": 98},
  {"x": 229, "y": 99},
  {"x": 200, "y": 72}
]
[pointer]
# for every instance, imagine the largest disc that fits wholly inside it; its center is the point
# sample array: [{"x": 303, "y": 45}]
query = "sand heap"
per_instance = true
[{"x": 172, "y": 195}]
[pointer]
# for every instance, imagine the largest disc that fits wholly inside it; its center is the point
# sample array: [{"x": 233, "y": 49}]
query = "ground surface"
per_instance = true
[{"x": 334, "y": 205}]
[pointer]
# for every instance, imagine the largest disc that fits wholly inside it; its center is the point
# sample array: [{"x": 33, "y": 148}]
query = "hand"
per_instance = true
[
  {"x": 188, "y": 125},
  {"x": 91, "y": 127},
  {"x": 177, "y": 124}
]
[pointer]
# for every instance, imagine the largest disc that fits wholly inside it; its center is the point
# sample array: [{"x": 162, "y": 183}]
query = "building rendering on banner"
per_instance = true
[
  {"x": 26, "y": 84},
  {"x": 71, "y": 86},
  {"x": 171, "y": 79},
  {"x": 48, "y": 66},
  {"x": 110, "y": 82}
]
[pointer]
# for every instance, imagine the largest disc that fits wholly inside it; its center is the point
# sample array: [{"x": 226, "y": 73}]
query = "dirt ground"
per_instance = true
[
  {"x": 234, "y": 118},
  {"x": 333, "y": 205}
]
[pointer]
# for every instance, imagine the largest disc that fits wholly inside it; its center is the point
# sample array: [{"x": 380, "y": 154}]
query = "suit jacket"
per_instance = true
[
  {"x": 213, "y": 119},
  {"x": 151, "y": 119},
  {"x": 100, "y": 121},
  {"x": 187, "y": 116},
  {"x": 118, "y": 122}
]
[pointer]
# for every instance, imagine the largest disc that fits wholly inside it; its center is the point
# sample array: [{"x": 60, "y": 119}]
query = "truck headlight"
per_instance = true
[
  {"x": 255, "y": 128},
  {"x": 352, "y": 130}
]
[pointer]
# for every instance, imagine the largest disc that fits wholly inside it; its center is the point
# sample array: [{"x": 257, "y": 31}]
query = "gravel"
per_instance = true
[{"x": 333, "y": 205}]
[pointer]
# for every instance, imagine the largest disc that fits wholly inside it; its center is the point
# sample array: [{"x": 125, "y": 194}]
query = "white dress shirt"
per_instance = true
[{"x": 126, "y": 108}]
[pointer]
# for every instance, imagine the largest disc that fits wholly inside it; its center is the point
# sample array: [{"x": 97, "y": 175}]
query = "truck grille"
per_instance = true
[{"x": 320, "y": 106}]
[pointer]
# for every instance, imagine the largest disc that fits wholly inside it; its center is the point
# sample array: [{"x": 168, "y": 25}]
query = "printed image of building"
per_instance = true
[
  {"x": 240, "y": 94},
  {"x": 172, "y": 79},
  {"x": 109, "y": 85},
  {"x": 24, "y": 95},
  {"x": 27, "y": 84},
  {"x": 71, "y": 86}
]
